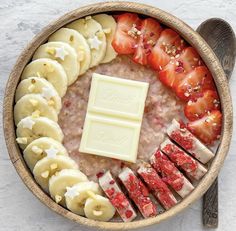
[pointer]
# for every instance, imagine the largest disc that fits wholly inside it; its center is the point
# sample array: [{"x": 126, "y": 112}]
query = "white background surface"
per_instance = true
[{"x": 20, "y": 20}]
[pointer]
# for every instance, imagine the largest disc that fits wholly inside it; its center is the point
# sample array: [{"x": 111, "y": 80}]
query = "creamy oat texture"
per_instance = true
[{"x": 160, "y": 108}]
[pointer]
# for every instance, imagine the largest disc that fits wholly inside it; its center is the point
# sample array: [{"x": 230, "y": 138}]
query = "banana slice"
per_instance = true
[
  {"x": 50, "y": 70},
  {"x": 36, "y": 85},
  {"x": 78, "y": 42},
  {"x": 33, "y": 103},
  {"x": 62, "y": 53},
  {"x": 49, "y": 166},
  {"x": 32, "y": 128},
  {"x": 98, "y": 208},
  {"x": 77, "y": 195},
  {"x": 64, "y": 179},
  {"x": 93, "y": 33},
  {"x": 108, "y": 24},
  {"x": 39, "y": 148}
]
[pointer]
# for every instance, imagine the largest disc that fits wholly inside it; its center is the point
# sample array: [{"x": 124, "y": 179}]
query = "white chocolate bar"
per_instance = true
[{"x": 114, "y": 117}]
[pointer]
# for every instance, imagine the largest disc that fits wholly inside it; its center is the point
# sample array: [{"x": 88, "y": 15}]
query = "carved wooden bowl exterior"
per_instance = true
[{"x": 190, "y": 36}]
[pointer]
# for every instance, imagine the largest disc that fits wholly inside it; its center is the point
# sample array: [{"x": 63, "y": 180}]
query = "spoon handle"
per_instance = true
[{"x": 210, "y": 206}]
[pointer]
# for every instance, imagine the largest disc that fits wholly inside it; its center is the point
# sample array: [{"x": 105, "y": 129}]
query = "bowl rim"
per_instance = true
[{"x": 190, "y": 36}]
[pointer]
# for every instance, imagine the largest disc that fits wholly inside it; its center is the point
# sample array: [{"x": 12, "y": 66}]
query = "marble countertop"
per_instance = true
[{"x": 19, "y": 209}]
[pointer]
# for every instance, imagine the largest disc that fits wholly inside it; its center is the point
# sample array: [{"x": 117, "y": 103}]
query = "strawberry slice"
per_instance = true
[
  {"x": 171, "y": 75},
  {"x": 195, "y": 82},
  {"x": 126, "y": 34},
  {"x": 150, "y": 32},
  {"x": 208, "y": 128},
  {"x": 175, "y": 71},
  {"x": 190, "y": 59},
  {"x": 168, "y": 45},
  {"x": 197, "y": 109}
]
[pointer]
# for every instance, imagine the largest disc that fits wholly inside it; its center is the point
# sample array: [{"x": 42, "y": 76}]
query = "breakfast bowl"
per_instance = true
[{"x": 144, "y": 11}]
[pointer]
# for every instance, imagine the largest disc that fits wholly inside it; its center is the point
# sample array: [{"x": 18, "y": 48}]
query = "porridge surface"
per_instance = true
[{"x": 160, "y": 108}]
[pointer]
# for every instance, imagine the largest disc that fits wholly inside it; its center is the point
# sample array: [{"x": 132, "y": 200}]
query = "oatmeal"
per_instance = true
[{"x": 160, "y": 108}]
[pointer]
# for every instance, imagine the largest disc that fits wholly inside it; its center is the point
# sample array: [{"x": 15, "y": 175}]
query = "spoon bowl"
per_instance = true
[{"x": 221, "y": 38}]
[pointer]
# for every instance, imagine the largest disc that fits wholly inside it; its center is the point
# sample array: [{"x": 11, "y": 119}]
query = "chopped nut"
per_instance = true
[
  {"x": 37, "y": 150},
  {"x": 88, "y": 17},
  {"x": 107, "y": 30},
  {"x": 36, "y": 114},
  {"x": 21, "y": 140},
  {"x": 58, "y": 198},
  {"x": 53, "y": 166},
  {"x": 186, "y": 94},
  {"x": 50, "y": 50},
  {"x": 81, "y": 55},
  {"x": 34, "y": 102},
  {"x": 99, "y": 34},
  {"x": 45, "y": 174},
  {"x": 51, "y": 102},
  {"x": 97, "y": 213}
]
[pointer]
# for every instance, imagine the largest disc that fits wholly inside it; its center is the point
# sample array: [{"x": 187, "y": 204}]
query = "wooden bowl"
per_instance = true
[{"x": 169, "y": 20}]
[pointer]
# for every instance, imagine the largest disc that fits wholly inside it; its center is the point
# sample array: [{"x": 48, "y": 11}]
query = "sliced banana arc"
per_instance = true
[
  {"x": 108, "y": 24},
  {"x": 64, "y": 179},
  {"x": 50, "y": 70},
  {"x": 33, "y": 103},
  {"x": 50, "y": 165},
  {"x": 93, "y": 33},
  {"x": 77, "y": 195},
  {"x": 62, "y": 53},
  {"x": 40, "y": 148},
  {"x": 31, "y": 128},
  {"x": 36, "y": 85},
  {"x": 78, "y": 42},
  {"x": 99, "y": 208}
]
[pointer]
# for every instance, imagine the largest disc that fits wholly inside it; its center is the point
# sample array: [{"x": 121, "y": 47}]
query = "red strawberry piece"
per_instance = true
[
  {"x": 197, "y": 109},
  {"x": 208, "y": 128},
  {"x": 149, "y": 33},
  {"x": 126, "y": 34},
  {"x": 178, "y": 67},
  {"x": 168, "y": 45},
  {"x": 190, "y": 59},
  {"x": 171, "y": 75},
  {"x": 195, "y": 82}
]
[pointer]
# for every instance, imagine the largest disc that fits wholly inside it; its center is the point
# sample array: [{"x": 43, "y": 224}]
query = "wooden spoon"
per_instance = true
[{"x": 221, "y": 38}]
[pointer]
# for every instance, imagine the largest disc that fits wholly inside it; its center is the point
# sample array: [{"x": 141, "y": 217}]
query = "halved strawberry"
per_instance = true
[
  {"x": 190, "y": 59},
  {"x": 171, "y": 75},
  {"x": 195, "y": 82},
  {"x": 149, "y": 33},
  {"x": 168, "y": 45},
  {"x": 126, "y": 34},
  {"x": 209, "y": 101},
  {"x": 208, "y": 128}
]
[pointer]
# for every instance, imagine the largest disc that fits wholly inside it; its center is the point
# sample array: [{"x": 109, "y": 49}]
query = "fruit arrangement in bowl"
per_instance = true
[{"x": 118, "y": 117}]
